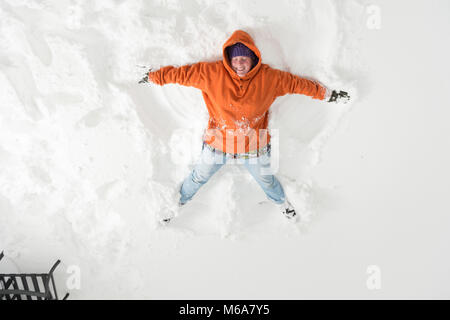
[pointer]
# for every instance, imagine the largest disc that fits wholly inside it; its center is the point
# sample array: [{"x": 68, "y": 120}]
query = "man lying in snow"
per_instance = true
[{"x": 238, "y": 92}]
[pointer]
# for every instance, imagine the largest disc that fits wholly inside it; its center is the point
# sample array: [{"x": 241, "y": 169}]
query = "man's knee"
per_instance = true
[
  {"x": 201, "y": 177},
  {"x": 267, "y": 180}
]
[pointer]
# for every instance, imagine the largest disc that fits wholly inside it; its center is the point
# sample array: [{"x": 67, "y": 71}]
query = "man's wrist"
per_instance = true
[{"x": 328, "y": 93}]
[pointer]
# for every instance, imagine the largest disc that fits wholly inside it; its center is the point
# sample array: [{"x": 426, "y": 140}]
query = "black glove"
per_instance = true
[
  {"x": 145, "y": 78},
  {"x": 339, "y": 96}
]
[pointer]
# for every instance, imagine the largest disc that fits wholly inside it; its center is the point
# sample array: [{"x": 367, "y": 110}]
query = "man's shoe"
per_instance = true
[
  {"x": 288, "y": 210},
  {"x": 166, "y": 220}
]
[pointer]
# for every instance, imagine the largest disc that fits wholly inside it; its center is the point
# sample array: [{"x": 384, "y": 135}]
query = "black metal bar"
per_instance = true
[
  {"x": 45, "y": 281},
  {"x": 16, "y": 287},
  {"x": 54, "y": 287},
  {"x": 1, "y": 255},
  {"x": 50, "y": 277},
  {"x": 2, "y": 283},
  {"x": 54, "y": 267},
  {"x": 9, "y": 282},
  {"x": 36, "y": 285},
  {"x": 25, "y": 285},
  {"x": 31, "y": 293}
]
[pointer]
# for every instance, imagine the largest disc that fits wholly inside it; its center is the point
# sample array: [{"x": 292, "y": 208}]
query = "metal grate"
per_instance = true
[{"x": 29, "y": 286}]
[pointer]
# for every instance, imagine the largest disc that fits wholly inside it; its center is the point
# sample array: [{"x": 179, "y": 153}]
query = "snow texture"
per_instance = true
[{"x": 89, "y": 159}]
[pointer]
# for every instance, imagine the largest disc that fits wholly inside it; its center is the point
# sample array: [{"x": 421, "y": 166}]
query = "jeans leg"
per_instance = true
[
  {"x": 210, "y": 162},
  {"x": 268, "y": 182}
]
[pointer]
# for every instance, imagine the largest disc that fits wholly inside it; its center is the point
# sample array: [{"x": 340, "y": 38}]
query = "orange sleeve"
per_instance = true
[
  {"x": 189, "y": 75},
  {"x": 287, "y": 83}
]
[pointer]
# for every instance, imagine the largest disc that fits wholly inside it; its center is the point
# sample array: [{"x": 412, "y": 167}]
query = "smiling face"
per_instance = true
[{"x": 241, "y": 65}]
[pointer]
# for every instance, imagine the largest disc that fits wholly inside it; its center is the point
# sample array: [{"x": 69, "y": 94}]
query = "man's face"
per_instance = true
[{"x": 241, "y": 65}]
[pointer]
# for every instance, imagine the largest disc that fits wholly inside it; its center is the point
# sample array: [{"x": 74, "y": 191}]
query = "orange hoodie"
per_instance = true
[{"x": 238, "y": 107}]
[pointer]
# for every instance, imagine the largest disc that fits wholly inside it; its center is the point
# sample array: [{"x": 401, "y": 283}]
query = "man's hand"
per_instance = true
[
  {"x": 340, "y": 96},
  {"x": 145, "y": 78}
]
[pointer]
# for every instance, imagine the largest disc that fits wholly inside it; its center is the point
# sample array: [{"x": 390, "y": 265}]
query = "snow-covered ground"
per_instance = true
[{"x": 89, "y": 159}]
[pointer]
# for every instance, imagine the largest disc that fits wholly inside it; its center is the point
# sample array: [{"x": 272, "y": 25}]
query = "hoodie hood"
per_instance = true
[{"x": 242, "y": 37}]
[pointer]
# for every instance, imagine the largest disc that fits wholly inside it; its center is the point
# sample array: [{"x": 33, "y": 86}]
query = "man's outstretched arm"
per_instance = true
[
  {"x": 288, "y": 83},
  {"x": 188, "y": 75}
]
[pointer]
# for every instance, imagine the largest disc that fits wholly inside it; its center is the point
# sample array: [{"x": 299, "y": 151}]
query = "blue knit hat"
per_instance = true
[{"x": 239, "y": 49}]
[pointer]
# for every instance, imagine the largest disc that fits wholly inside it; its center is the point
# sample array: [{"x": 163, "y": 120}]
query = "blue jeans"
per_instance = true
[{"x": 211, "y": 161}]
